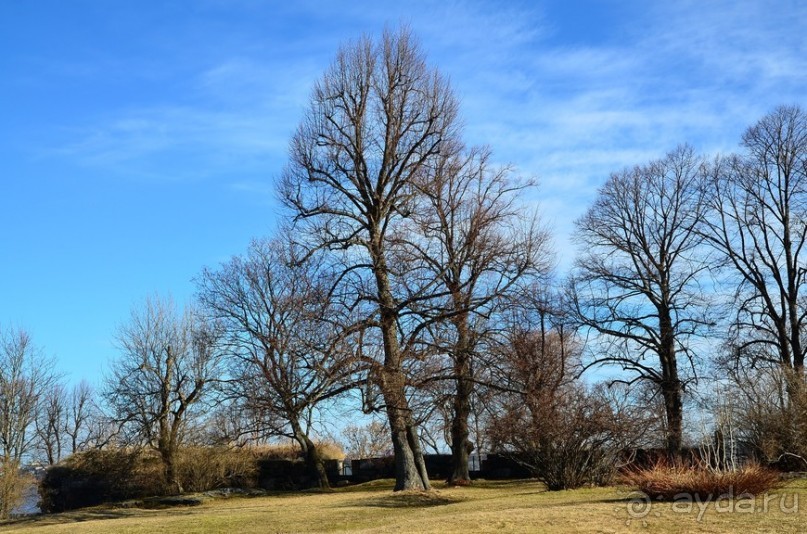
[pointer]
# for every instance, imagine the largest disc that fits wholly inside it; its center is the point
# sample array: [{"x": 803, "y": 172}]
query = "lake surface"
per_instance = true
[{"x": 30, "y": 503}]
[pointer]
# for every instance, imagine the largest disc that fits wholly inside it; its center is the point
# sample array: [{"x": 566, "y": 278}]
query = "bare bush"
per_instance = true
[
  {"x": 672, "y": 480},
  {"x": 13, "y": 482},
  {"x": 569, "y": 441},
  {"x": 769, "y": 409},
  {"x": 206, "y": 468},
  {"x": 25, "y": 377},
  {"x": 565, "y": 434},
  {"x": 97, "y": 476}
]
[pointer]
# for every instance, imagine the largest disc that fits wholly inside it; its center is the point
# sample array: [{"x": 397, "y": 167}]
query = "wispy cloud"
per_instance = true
[
  {"x": 237, "y": 118},
  {"x": 683, "y": 72},
  {"x": 147, "y": 140},
  {"x": 568, "y": 112}
]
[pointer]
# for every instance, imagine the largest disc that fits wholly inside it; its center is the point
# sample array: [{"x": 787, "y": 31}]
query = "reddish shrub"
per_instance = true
[{"x": 670, "y": 480}]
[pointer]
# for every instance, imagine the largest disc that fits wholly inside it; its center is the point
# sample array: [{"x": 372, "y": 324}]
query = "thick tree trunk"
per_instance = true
[
  {"x": 168, "y": 456},
  {"x": 317, "y": 466},
  {"x": 460, "y": 444},
  {"x": 420, "y": 462},
  {"x": 673, "y": 408},
  {"x": 671, "y": 389},
  {"x": 410, "y": 471},
  {"x": 313, "y": 460}
]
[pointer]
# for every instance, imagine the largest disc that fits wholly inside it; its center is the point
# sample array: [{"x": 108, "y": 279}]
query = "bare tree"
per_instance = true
[
  {"x": 378, "y": 119},
  {"x": 84, "y": 425},
  {"x": 69, "y": 421},
  {"x": 544, "y": 417},
  {"x": 636, "y": 285},
  {"x": 479, "y": 242},
  {"x": 25, "y": 377},
  {"x": 50, "y": 424},
  {"x": 167, "y": 364},
  {"x": 366, "y": 441},
  {"x": 236, "y": 422},
  {"x": 758, "y": 223},
  {"x": 288, "y": 353}
]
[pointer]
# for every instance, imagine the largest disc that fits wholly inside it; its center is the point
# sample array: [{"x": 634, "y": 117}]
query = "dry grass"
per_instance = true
[
  {"x": 520, "y": 506},
  {"x": 204, "y": 468},
  {"x": 665, "y": 481},
  {"x": 328, "y": 450}
]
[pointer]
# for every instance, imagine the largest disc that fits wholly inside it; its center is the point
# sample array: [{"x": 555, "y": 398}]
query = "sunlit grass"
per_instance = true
[{"x": 520, "y": 506}]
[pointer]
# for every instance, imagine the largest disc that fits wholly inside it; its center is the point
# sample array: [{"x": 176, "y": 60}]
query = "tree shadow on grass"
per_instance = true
[
  {"x": 590, "y": 499},
  {"x": 41, "y": 520},
  {"x": 76, "y": 516},
  {"x": 406, "y": 499}
]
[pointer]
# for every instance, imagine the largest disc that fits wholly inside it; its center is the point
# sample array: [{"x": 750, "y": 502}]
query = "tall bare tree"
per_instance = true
[
  {"x": 287, "y": 351},
  {"x": 167, "y": 364},
  {"x": 378, "y": 119},
  {"x": 479, "y": 241},
  {"x": 25, "y": 377},
  {"x": 637, "y": 282},
  {"x": 758, "y": 223}
]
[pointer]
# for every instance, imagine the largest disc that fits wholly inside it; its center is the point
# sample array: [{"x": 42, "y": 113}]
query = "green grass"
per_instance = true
[{"x": 519, "y": 506}]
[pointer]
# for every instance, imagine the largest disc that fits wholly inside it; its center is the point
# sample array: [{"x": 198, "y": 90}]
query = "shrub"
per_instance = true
[
  {"x": 330, "y": 450},
  {"x": 667, "y": 481},
  {"x": 564, "y": 432},
  {"x": 97, "y": 476},
  {"x": 13, "y": 482},
  {"x": 205, "y": 468},
  {"x": 565, "y": 448},
  {"x": 770, "y": 413}
]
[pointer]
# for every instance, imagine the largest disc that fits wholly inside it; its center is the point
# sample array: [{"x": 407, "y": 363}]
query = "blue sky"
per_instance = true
[{"x": 139, "y": 140}]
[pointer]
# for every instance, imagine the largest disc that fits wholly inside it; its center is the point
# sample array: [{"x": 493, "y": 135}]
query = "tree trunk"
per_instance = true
[
  {"x": 317, "y": 465},
  {"x": 313, "y": 460},
  {"x": 673, "y": 410},
  {"x": 460, "y": 444},
  {"x": 410, "y": 471},
  {"x": 670, "y": 385},
  {"x": 173, "y": 483},
  {"x": 420, "y": 462}
]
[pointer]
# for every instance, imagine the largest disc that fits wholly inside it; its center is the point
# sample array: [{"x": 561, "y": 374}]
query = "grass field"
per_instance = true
[{"x": 520, "y": 506}]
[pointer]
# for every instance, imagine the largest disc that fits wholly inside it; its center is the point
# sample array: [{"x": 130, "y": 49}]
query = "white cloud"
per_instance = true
[
  {"x": 212, "y": 140},
  {"x": 697, "y": 72}
]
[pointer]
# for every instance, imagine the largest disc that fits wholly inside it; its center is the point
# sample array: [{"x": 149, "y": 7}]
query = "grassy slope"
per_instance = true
[{"x": 486, "y": 507}]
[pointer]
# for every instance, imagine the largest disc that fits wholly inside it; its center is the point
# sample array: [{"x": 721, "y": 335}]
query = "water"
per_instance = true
[{"x": 30, "y": 502}]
